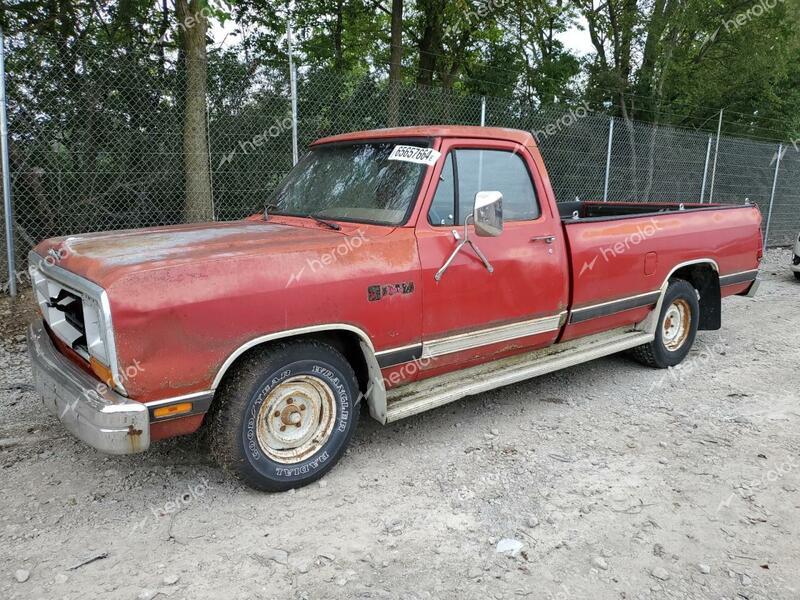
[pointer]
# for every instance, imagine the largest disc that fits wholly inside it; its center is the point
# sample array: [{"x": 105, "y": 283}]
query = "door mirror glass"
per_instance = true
[{"x": 488, "y": 214}]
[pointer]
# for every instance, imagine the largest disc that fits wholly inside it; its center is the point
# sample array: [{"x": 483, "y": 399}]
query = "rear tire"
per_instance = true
[
  {"x": 676, "y": 329},
  {"x": 797, "y": 275},
  {"x": 285, "y": 416}
]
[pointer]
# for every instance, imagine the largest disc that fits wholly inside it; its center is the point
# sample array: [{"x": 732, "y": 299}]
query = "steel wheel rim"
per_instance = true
[
  {"x": 676, "y": 325},
  {"x": 296, "y": 419}
]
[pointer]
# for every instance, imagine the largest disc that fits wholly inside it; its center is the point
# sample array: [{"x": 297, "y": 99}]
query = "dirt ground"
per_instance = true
[{"x": 611, "y": 480}]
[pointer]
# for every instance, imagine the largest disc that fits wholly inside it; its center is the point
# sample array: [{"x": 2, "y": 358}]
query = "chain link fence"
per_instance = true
[{"x": 101, "y": 147}]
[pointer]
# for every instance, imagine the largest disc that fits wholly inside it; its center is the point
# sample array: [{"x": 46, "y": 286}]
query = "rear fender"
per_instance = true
[{"x": 706, "y": 281}]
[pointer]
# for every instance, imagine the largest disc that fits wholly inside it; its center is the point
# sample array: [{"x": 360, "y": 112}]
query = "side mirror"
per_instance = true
[{"x": 488, "y": 214}]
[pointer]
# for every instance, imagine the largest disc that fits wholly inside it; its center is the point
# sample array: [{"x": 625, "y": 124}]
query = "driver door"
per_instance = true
[{"x": 471, "y": 315}]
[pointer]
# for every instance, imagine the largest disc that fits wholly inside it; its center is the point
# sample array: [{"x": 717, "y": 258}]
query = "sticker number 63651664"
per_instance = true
[{"x": 415, "y": 154}]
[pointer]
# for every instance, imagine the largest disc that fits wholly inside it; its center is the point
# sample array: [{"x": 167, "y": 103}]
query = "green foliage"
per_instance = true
[
  {"x": 95, "y": 86},
  {"x": 687, "y": 59}
]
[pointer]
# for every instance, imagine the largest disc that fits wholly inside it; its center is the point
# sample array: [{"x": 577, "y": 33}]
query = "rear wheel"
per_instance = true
[
  {"x": 677, "y": 328},
  {"x": 285, "y": 416},
  {"x": 797, "y": 275}
]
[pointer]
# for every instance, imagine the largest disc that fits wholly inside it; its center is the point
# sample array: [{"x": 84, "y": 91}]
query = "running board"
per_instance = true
[{"x": 418, "y": 397}]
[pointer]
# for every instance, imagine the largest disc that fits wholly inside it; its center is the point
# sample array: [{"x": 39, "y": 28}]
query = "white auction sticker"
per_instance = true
[{"x": 415, "y": 154}]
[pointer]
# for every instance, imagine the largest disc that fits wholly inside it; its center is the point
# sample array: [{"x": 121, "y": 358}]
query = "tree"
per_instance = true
[
  {"x": 395, "y": 62},
  {"x": 681, "y": 61},
  {"x": 193, "y": 24},
  {"x": 107, "y": 98}
]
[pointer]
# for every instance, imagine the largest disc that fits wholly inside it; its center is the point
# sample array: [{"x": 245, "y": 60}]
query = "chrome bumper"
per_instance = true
[{"x": 87, "y": 408}]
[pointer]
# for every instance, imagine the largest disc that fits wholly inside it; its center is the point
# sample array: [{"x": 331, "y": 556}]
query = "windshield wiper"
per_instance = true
[
  {"x": 329, "y": 224},
  {"x": 334, "y": 226}
]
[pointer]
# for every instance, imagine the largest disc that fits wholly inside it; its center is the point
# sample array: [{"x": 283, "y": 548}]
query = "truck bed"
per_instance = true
[{"x": 621, "y": 254}]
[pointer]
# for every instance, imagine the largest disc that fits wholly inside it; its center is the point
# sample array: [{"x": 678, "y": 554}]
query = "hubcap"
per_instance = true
[
  {"x": 296, "y": 419},
  {"x": 677, "y": 323}
]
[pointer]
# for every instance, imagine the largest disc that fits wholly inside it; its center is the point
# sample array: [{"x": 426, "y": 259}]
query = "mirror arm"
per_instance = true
[
  {"x": 458, "y": 248},
  {"x": 477, "y": 250},
  {"x": 483, "y": 258},
  {"x": 449, "y": 260}
]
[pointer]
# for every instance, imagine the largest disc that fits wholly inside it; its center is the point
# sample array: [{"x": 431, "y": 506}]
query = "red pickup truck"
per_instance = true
[{"x": 407, "y": 268}]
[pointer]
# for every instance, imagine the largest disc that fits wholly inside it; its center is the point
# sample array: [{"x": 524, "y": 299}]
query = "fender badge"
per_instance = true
[{"x": 378, "y": 292}]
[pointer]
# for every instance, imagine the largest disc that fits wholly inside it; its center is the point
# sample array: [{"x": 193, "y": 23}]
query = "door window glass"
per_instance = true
[
  {"x": 483, "y": 171},
  {"x": 495, "y": 171}
]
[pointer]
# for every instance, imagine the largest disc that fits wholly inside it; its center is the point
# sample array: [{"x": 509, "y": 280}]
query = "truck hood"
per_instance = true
[{"x": 105, "y": 257}]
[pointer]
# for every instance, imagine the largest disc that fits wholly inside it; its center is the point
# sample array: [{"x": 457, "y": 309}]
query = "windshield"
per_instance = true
[{"x": 363, "y": 182}]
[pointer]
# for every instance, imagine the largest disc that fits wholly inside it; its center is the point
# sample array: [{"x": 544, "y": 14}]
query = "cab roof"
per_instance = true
[{"x": 435, "y": 131}]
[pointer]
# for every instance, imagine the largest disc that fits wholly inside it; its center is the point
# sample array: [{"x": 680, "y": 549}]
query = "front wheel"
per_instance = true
[
  {"x": 285, "y": 416},
  {"x": 677, "y": 328}
]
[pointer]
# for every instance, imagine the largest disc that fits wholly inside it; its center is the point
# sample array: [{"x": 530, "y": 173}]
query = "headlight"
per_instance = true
[{"x": 78, "y": 312}]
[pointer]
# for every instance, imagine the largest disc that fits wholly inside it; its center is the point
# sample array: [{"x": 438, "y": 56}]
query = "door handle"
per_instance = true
[{"x": 547, "y": 239}]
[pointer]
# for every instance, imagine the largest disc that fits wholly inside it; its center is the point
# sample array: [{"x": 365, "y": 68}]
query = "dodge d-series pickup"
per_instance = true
[{"x": 400, "y": 268}]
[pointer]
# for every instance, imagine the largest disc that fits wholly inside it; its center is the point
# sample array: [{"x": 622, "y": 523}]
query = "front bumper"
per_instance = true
[{"x": 87, "y": 408}]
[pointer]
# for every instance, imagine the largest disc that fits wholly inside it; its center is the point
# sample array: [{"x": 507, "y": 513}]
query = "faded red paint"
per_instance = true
[
  {"x": 185, "y": 297},
  {"x": 435, "y": 132},
  {"x": 161, "y": 430},
  {"x": 730, "y": 237}
]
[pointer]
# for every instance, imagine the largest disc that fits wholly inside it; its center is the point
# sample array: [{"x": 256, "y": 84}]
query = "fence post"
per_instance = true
[
  {"x": 210, "y": 164},
  {"x": 779, "y": 156},
  {"x": 608, "y": 157},
  {"x": 483, "y": 111},
  {"x": 716, "y": 154},
  {"x": 293, "y": 92},
  {"x": 705, "y": 171},
  {"x": 9, "y": 210}
]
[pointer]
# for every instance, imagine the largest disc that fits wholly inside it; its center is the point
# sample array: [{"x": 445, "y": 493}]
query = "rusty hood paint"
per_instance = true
[
  {"x": 184, "y": 298},
  {"x": 106, "y": 257}
]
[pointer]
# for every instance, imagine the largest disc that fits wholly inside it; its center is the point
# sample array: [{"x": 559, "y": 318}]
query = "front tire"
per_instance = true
[
  {"x": 676, "y": 330},
  {"x": 285, "y": 416}
]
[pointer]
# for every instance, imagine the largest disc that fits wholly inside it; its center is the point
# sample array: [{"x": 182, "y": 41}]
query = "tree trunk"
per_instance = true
[
  {"x": 192, "y": 25},
  {"x": 430, "y": 41},
  {"x": 652, "y": 56},
  {"x": 427, "y": 60},
  {"x": 338, "y": 53},
  {"x": 396, "y": 63}
]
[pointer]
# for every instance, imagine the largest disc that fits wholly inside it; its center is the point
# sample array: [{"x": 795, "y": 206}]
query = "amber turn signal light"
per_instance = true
[
  {"x": 102, "y": 371},
  {"x": 173, "y": 410}
]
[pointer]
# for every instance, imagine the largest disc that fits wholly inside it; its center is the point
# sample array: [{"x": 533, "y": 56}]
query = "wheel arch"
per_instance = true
[
  {"x": 703, "y": 275},
  {"x": 354, "y": 344}
]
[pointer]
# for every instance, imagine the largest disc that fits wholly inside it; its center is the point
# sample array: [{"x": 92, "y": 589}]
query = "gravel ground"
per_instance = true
[{"x": 607, "y": 480}]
